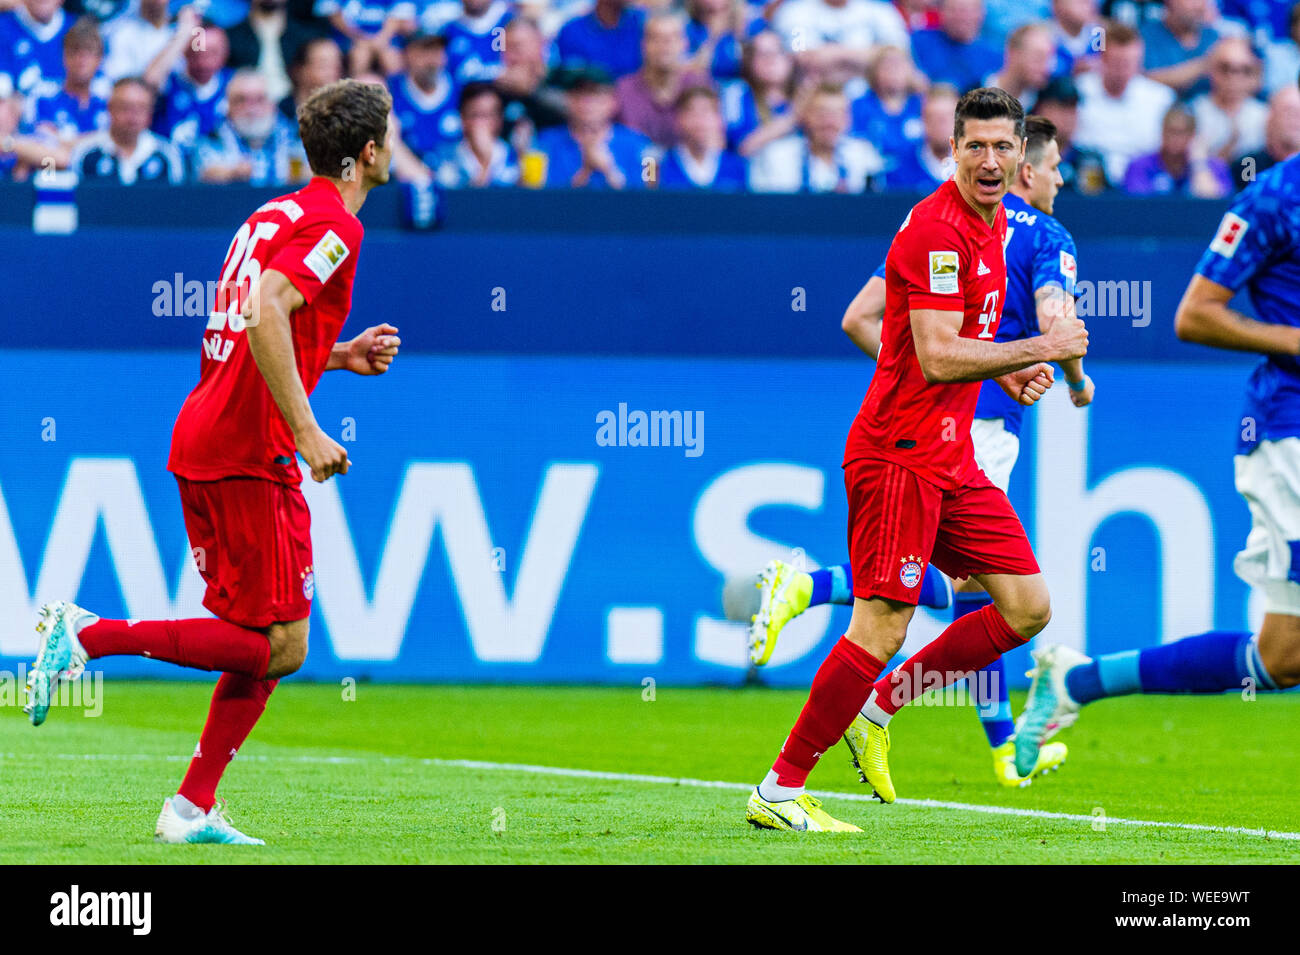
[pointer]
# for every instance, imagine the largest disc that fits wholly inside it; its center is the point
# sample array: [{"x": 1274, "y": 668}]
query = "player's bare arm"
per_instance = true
[
  {"x": 270, "y": 339},
  {"x": 865, "y": 315},
  {"x": 370, "y": 353},
  {"x": 1204, "y": 318},
  {"x": 945, "y": 356},
  {"x": 1050, "y": 302}
]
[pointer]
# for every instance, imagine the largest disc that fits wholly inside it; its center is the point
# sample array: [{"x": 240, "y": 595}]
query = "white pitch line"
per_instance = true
[{"x": 567, "y": 773}]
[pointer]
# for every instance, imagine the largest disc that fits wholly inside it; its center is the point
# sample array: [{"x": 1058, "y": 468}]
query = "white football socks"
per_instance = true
[
  {"x": 186, "y": 809},
  {"x": 773, "y": 791},
  {"x": 873, "y": 712}
]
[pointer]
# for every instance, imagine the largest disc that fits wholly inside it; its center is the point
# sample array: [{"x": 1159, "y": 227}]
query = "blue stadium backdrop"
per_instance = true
[{"x": 499, "y": 522}]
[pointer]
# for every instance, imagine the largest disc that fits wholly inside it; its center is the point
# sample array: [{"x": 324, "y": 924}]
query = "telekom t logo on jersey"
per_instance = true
[{"x": 239, "y": 276}]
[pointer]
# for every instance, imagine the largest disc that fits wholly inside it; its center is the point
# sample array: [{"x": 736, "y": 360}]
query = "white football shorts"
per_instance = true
[
  {"x": 1269, "y": 479},
  {"x": 996, "y": 449}
]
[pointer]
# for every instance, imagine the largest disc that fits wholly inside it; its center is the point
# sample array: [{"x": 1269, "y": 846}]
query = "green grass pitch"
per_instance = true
[{"x": 329, "y": 780}]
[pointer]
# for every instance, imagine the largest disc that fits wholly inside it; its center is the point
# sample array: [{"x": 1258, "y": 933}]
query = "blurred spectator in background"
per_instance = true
[
  {"x": 318, "y": 62},
  {"x": 823, "y": 157},
  {"x": 1229, "y": 117},
  {"x": 424, "y": 100},
  {"x": 1004, "y": 17},
  {"x": 1082, "y": 170},
  {"x": 609, "y": 37},
  {"x": 1281, "y": 136},
  {"x": 1027, "y": 66},
  {"x": 1182, "y": 166},
  {"x": 592, "y": 151},
  {"x": 127, "y": 152},
  {"x": 1282, "y": 57},
  {"x": 889, "y": 112},
  {"x": 529, "y": 104},
  {"x": 929, "y": 162},
  {"x": 31, "y": 45},
  {"x": 918, "y": 14},
  {"x": 1178, "y": 46},
  {"x": 369, "y": 30},
  {"x": 1136, "y": 13},
  {"x": 700, "y": 160},
  {"x": 191, "y": 101},
  {"x": 64, "y": 113},
  {"x": 715, "y": 36},
  {"x": 138, "y": 37},
  {"x": 646, "y": 98},
  {"x": 954, "y": 53},
  {"x": 407, "y": 167},
  {"x": 269, "y": 40},
  {"x": 1078, "y": 31},
  {"x": 475, "y": 40},
  {"x": 11, "y": 110},
  {"x": 832, "y": 40},
  {"x": 254, "y": 144},
  {"x": 1263, "y": 21},
  {"x": 758, "y": 108},
  {"x": 1120, "y": 110},
  {"x": 482, "y": 157}
]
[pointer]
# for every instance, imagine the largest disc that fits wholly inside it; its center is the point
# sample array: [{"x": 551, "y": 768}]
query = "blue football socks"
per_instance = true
[
  {"x": 988, "y": 688},
  {"x": 1208, "y": 663}
]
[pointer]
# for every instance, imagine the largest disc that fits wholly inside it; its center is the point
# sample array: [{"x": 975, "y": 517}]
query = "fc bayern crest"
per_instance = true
[
  {"x": 309, "y": 583},
  {"x": 911, "y": 571}
]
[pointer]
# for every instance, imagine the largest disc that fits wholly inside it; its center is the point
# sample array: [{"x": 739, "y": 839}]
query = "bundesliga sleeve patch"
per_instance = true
[
  {"x": 326, "y": 256},
  {"x": 1228, "y": 238},
  {"x": 943, "y": 273}
]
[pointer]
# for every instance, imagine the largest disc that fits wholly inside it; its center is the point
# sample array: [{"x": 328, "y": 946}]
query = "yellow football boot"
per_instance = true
[
  {"x": 804, "y": 814},
  {"x": 785, "y": 593},
  {"x": 869, "y": 745}
]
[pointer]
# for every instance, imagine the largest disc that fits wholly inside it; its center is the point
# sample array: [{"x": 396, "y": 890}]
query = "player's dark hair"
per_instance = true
[
  {"x": 473, "y": 91},
  {"x": 988, "y": 102},
  {"x": 337, "y": 122},
  {"x": 1039, "y": 131}
]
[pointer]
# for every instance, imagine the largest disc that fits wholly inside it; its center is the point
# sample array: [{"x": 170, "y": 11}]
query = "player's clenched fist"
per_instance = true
[
  {"x": 1066, "y": 339},
  {"x": 323, "y": 455},
  {"x": 1028, "y": 384}
]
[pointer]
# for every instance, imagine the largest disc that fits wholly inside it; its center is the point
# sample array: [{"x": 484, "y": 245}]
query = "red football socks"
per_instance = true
[
  {"x": 970, "y": 643},
  {"x": 237, "y": 704},
  {"x": 841, "y": 686},
  {"x": 202, "y": 643}
]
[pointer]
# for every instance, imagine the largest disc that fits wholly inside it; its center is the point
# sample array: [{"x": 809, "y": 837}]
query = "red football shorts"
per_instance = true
[
  {"x": 252, "y": 542},
  {"x": 899, "y": 522}
]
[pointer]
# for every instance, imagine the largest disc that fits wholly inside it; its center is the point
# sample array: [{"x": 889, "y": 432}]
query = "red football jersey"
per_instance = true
[
  {"x": 945, "y": 257},
  {"x": 230, "y": 425}
]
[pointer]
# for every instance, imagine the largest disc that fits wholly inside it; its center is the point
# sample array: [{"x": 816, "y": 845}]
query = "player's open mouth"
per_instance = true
[{"x": 989, "y": 183}]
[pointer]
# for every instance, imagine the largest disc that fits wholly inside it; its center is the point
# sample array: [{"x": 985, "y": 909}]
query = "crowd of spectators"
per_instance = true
[{"x": 1180, "y": 97}]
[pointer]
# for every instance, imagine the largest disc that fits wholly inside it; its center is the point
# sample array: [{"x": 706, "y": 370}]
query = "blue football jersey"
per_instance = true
[
  {"x": 430, "y": 121},
  {"x": 1039, "y": 252},
  {"x": 474, "y": 45},
  {"x": 1258, "y": 247},
  {"x": 31, "y": 53},
  {"x": 55, "y": 109}
]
